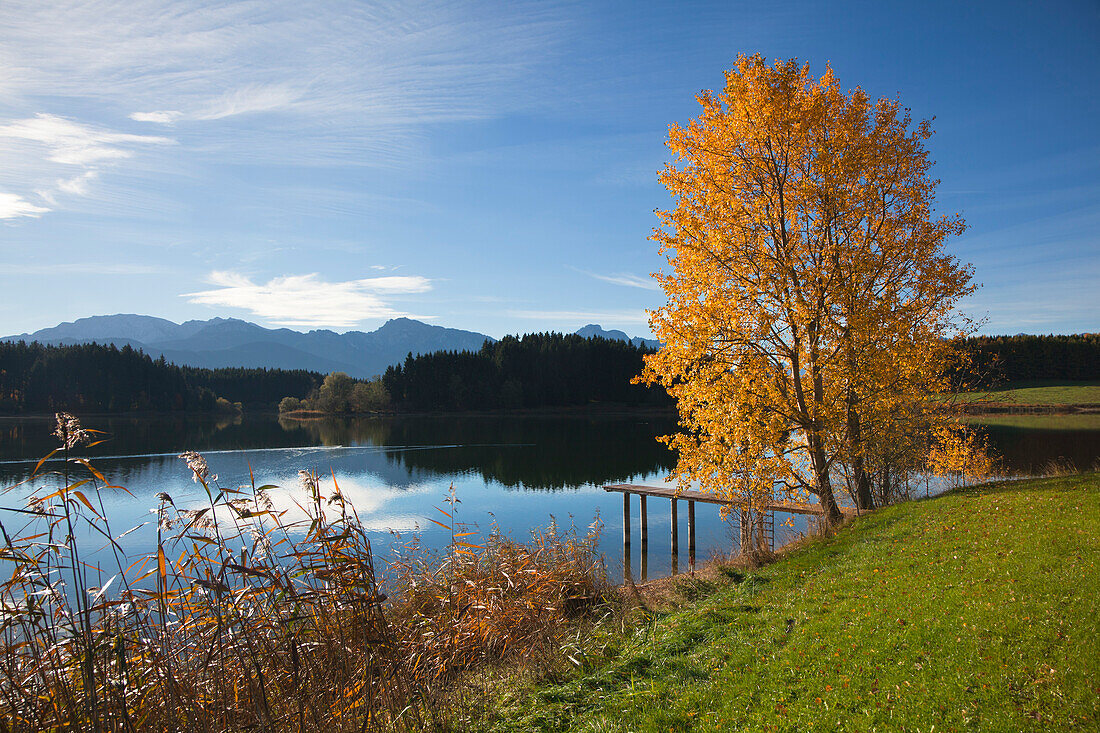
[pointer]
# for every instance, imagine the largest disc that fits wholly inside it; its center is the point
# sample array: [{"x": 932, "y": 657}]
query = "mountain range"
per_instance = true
[
  {"x": 229, "y": 342},
  {"x": 593, "y": 329}
]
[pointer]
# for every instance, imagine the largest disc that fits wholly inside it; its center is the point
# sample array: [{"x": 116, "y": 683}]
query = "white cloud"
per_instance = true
[
  {"x": 40, "y": 153},
  {"x": 308, "y": 301},
  {"x": 163, "y": 117},
  {"x": 13, "y": 206},
  {"x": 349, "y": 82},
  {"x": 256, "y": 82},
  {"x": 77, "y": 185},
  {"x": 72, "y": 143}
]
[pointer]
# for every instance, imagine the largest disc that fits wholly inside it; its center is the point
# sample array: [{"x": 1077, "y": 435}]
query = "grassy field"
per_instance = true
[
  {"x": 1039, "y": 393},
  {"x": 977, "y": 610}
]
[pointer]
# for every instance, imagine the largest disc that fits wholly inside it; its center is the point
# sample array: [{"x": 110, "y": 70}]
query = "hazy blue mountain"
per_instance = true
[
  {"x": 229, "y": 342},
  {"x": 594, "y": 329},
  {"x": 124, "y": 328}
]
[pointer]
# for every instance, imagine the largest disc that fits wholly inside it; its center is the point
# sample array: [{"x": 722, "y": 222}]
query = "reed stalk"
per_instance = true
[{"x": 291, "y": 633}]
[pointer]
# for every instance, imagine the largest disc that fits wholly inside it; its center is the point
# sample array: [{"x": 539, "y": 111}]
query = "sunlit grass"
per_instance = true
[
  {"x": 1039, "y": 393},
  {"x": 977, "y": 610}
]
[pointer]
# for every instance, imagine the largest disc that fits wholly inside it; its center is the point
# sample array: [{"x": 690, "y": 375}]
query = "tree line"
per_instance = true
[
  {"x": 534, "y": 370},
  {"x": 1021, "y": 358},
  {"x": 254, "y": 385},
  {"x": 104, "y": 378}
]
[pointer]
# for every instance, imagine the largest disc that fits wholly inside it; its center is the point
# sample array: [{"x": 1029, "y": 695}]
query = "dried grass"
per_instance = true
[{"x": 291, "y": 633}]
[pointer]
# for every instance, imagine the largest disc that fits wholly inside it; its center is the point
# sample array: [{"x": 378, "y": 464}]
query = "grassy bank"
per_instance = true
[
  {"x": 977, "y": 610},
  {"x": 1047, "y": 394}
]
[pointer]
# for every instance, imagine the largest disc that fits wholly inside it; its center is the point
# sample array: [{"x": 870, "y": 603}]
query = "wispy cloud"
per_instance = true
[
  {"x": 251, "y": 82},
  {"x": 308, "y": 301},
  {"x": 361, "y": 68},
  {"x": 625, "y": 279},
  {"x": 246, "y": 100},
  {"x": 72, "y": 143},
  {"x": 163, "y": 117},
  {"x": 40, "y": 153},
  {"x": 13, "y": 206}
]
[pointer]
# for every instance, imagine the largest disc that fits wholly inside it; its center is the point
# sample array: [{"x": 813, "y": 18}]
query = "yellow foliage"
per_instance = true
[{"x": 811, "y": 301}]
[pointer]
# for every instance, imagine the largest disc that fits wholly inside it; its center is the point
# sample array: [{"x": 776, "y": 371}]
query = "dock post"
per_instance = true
[
  {"x": 627, "y": 574},
  {"x": 645, "y": 537},
  {"x": 675, "y": 541},
  {"x": 691, "y": 536}
]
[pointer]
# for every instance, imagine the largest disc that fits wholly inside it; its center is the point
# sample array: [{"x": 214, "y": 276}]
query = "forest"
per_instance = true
[
  {"x": 97, "y": 378},
  {"x": 996, "y": 360},
  {"x": 534, "y": 370}
]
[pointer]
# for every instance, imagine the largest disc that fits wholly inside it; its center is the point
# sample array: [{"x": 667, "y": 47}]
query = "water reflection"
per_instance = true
[
  {"x": 545, "y": 452},
  {"x": 1029, "y": 444},
  {"x": 515, "y": 472}
]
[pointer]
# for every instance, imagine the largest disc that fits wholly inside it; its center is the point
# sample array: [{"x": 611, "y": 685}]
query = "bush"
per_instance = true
[{"x": 502, "y": 600}]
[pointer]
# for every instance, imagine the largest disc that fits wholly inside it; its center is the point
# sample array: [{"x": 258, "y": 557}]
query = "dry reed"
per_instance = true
[{"x": 290, "y": 633}]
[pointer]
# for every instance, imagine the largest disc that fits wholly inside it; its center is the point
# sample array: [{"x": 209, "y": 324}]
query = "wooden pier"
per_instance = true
[{"x": 690, "y": 496}]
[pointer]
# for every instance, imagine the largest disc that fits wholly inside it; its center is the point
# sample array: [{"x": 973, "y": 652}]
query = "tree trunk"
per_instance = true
[
  {"x": 817, "y": 452},
  {"x": 824, "y": 484},
  {"x": 864, "y": 500}
]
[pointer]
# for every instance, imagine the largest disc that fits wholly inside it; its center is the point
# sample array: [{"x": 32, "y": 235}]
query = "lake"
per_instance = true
[{"x": 512, "y": 472}]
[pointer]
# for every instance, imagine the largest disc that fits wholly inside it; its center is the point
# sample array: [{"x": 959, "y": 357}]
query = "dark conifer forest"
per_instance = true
[
  {"x": 96, "y": 378},
  {"x": 517, "y": 372},
  {"x": 535, "y": 370},
  {"x": 1022, "y": 358}
]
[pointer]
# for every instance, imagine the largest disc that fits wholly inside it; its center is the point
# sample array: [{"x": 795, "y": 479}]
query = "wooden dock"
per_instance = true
[{"x": 691, "y": 496}]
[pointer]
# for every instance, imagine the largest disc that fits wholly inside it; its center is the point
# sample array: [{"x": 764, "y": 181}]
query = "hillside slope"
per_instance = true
[{"x": 977, "y": 610}]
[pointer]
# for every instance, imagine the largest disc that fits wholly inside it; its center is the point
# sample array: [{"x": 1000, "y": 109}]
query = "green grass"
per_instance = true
[
  {"x": 1039, "y": 393},
  {"x": 977, "y": 610}
]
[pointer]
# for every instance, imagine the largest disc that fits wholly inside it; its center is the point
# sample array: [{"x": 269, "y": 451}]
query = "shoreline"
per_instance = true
[
  {"x": 599, "y": 410},
  {"x": 1012, "y": 408}
]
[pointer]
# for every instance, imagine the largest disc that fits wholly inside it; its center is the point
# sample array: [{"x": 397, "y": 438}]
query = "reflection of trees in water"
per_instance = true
[
  {"x": 30, "y": 439},
  {"x": 536, "y": 453},
  {"x": 533, "y": 451},
  {"x": 1024, "y": 451},
  {"x": 332, "y": 431}
]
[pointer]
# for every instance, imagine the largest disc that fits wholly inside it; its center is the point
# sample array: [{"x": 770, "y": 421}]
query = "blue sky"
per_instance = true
[{"x": 489, "y": 166}]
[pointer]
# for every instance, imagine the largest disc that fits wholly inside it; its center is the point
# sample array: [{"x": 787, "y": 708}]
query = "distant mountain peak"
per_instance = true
[
  {"x": 595, "y": 329},
  {"x": 232, "y": 342}
]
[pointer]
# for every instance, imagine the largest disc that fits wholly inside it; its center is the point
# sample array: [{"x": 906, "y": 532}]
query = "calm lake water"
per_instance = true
[{"x": 516, "y": 473}]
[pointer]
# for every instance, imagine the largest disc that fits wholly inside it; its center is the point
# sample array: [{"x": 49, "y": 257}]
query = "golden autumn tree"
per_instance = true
[{"x": 811, "y": 301}]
